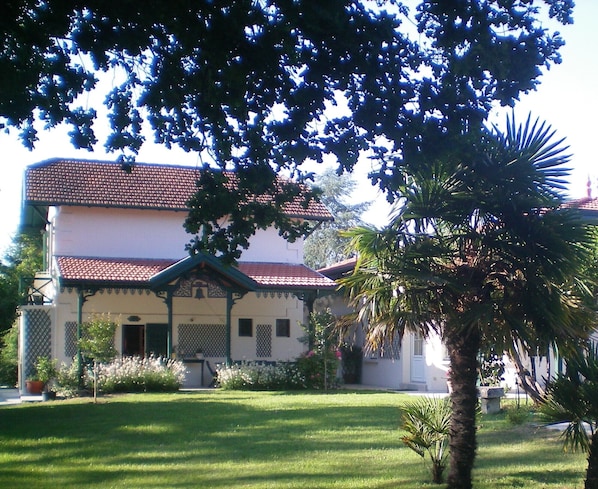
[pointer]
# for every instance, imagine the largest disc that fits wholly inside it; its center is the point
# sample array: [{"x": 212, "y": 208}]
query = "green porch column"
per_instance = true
[
  {"x": 168, "y": 302},
  {"x": 229, "y": 307},
  {"x": 80, "y": 301}
]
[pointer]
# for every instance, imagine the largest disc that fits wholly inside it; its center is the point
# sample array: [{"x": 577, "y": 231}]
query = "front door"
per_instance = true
[
  {"x": 133, "y": 340},
  {"x": 156, "y": 340},
  {"x": 418, "y": 370},
  {"x": 142, "y": 340}
]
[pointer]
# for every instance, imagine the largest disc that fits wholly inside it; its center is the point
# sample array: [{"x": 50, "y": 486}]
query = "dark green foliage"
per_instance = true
[
  {"x": 319, "y": 365},
  {"x": 319, "y": 370},
  {"x": 326, "y": 245},
  {"x": 18, "y": 267},
  {"x": 8, "y": 356},
  {"x": 482, "y": 253},
  {"x": 247, "y": 84}
]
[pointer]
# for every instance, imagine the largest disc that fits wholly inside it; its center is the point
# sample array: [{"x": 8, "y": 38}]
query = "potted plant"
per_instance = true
[
  {"x": 34, "y": 385},
  {"x": 46, "y": 373}
]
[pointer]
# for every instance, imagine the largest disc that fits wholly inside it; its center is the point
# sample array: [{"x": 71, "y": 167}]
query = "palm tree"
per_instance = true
[
  {"x": 427, "y": 422},
  {"x": 573, "y": 397},
  {"x": 481, "y": 252}
]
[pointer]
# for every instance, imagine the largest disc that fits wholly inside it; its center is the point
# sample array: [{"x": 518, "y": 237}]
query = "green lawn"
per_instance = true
[{"x": 224, "y": 439}]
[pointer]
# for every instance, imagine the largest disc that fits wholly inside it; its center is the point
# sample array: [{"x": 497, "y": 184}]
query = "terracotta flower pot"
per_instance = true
[{"x": 34, "y": 386}]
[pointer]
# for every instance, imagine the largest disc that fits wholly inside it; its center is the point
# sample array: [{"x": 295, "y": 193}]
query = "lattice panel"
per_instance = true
[
  {"x": 70, "y": 339},
  {"x": 38, "y": 337},
  {"x": 210, "y": 338},
  {"x": 263, "y": 340}
]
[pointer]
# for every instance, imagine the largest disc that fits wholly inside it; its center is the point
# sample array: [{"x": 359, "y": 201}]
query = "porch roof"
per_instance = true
[{"x": 145, "y": 273}]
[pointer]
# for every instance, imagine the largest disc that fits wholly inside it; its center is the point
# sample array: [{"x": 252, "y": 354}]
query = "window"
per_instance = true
[
  {"x": 245, "y": 327},
  {"x": 283, "y": 327}
]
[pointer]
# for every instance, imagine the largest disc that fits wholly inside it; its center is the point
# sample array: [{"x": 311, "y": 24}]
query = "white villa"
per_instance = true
[{"x": 115, "y": 243}]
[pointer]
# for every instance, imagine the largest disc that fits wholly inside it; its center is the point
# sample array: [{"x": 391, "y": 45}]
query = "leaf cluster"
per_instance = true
[
  {"x": 427, "y": 423},
  {"x": 97, "y": 338},
  {"x": 249, "y": 85},
  {"x": 572, "y": 397}
]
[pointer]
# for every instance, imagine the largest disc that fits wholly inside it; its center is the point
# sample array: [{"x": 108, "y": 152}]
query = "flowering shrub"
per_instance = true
[
  {"x": 128, "y": 374},
  {"x": 260, "y": 376},
  {"x": 310, "y": 371},
  {"x": 136, "y": 374},
  {"x": 67, "y": 379},
  {"x": 319, "y": 370}
]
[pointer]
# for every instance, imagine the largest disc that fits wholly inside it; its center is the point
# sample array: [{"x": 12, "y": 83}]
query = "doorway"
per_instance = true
[
  {"x": 144, "y": 340},
  {"x": 418, "y": 369}
]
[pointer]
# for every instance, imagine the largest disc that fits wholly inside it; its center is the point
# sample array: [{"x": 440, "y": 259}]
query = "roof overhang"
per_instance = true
[{"x": 159, "y": 274}]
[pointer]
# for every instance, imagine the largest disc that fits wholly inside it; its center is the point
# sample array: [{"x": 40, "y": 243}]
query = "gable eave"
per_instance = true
[{"x": 210, "y": 265}]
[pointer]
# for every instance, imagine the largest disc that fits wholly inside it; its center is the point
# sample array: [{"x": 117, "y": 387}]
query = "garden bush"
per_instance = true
[
  {"x": 308, "y": 372},
  {"x": 127, "y": 374},
  {"x": 136, "y": 374},
  {"x": 260, "y": 376},
  {"x": 319, "y": 370}
]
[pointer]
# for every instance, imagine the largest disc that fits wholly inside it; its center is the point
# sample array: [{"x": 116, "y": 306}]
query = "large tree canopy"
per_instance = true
[
  {"x": 325, "y": 245},
  {"x": 252, "y": 85}
]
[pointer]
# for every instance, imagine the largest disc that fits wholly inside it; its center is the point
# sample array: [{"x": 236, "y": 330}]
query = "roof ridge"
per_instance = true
[{"x": 158, "y": 186}]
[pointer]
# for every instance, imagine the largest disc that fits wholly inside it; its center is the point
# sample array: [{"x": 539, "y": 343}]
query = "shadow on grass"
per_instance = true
[
  {"x": 222, "y": 439},
  {"x": 206, "y": 440}
]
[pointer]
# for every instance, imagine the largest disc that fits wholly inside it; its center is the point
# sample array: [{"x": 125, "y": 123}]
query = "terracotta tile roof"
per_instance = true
[
  {"x": 147, "y": 186},
  {"x": 119, "y": 271},
  {"x": 584, "y": 204},
  {"x": 274, "y": 275},
  {"x": 337, "y": 270},
  {"x": 137, "y": 272}
]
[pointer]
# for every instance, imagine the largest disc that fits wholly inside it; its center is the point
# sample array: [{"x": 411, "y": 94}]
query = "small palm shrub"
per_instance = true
[
  {"x": 427, "y": 422},
  {"x": 572, "y": 397}
]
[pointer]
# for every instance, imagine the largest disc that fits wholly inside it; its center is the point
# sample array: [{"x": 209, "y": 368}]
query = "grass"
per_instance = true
[{"x": 223, "y": 439}]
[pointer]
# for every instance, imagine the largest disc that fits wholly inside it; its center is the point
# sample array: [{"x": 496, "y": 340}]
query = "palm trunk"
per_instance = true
[
  {"x": 592, "y": 470},
  {"x": 463, "y": 350}
]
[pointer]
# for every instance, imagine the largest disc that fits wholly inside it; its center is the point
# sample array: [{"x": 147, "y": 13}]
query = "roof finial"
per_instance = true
[{"x": 589, "y": 188}]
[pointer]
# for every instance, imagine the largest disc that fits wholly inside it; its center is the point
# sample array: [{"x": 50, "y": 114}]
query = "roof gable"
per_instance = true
[
  {"x": 229, "y": 275},
  {"x": 146, "y": 186}
]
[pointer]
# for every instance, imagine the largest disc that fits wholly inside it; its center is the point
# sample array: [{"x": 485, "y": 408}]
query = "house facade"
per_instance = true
[
  {"x": 115, "y": 243},
  {"x": 415, "y": 363}
]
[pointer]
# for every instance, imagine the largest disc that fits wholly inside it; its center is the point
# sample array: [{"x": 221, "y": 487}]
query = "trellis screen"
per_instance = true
[
  {"x": 37, "y": 325},
  {"x": 263, "y": 340},
  {"x": 210, "y": 338}
]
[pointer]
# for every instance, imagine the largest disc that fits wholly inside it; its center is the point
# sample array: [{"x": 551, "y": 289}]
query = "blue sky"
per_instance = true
[{"x": 567, "y": 99}]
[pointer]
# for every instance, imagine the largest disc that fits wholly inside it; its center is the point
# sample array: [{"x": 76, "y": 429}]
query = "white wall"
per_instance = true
[
  {"x": 121, "y": 233},
  {"x": 151, "y": 309}
]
